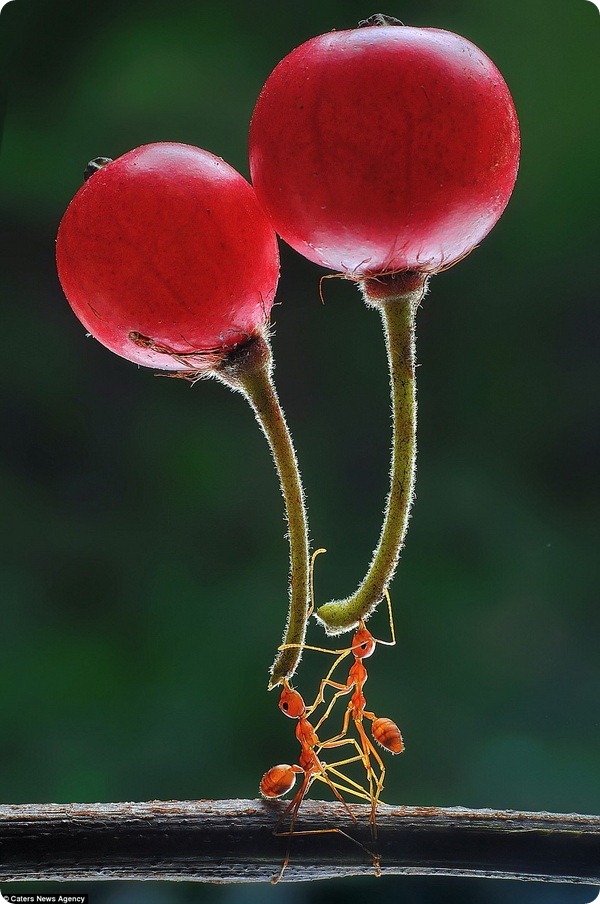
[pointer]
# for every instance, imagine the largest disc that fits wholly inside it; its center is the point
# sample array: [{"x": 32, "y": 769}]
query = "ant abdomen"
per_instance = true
[
  {"x": 387, "y": 734},
  {"x": 278, "y": 781}
]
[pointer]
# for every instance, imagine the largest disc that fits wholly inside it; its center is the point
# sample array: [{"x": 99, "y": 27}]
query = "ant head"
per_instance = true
[
  {"x": 291, "y": 703},
  {"x": 363, "y": 643}
]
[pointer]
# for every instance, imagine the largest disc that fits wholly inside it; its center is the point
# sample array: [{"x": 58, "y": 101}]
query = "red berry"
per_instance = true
[
  {"x": 166, "y": 252},
  {"x": 384, "y": 148}
]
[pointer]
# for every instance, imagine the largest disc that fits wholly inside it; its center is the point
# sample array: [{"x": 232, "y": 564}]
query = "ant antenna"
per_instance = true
[{"x": 311, "y": 606}]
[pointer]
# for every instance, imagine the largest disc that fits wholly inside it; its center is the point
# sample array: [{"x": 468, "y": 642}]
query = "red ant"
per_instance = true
[
  {"x": 384, "y": 730},
  {"x": 281, "y": 779}
]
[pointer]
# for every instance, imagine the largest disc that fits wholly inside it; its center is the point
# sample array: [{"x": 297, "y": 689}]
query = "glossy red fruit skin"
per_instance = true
[
  {"x": 170, "y": 243},
  {"x": 384, "y": 148}
]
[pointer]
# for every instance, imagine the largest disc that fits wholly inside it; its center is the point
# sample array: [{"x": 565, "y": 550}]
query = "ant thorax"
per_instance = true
[
  {"x": 309, "y": 761},
  {"x": 306, "y": 734},
  {"x": 358, "y": 673}
]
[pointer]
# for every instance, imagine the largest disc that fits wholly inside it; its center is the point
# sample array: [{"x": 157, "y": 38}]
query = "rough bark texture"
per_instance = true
[{"x": 233, "y": 841}]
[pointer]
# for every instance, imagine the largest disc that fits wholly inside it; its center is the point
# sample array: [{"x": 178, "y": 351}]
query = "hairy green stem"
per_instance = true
[
  {"x": 398, "y": 314},
  {"x": 251, "y": 374}
]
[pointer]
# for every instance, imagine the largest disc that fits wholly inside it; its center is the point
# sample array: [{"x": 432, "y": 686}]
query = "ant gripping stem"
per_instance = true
[{"x": 384, "y": 730}]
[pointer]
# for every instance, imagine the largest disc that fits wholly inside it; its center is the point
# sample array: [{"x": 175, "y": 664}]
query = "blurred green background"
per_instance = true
[{"x": 143, "y": 560}]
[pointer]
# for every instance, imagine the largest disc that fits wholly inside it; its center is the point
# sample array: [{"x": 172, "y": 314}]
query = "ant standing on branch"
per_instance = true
[{"x": 281, "y": 779}]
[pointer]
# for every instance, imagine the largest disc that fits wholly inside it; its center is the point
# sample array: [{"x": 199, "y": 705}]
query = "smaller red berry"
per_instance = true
[{"x": 167, "y": 258}]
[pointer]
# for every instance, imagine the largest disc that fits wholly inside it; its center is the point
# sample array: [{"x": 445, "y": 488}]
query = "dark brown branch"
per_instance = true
[{"x": 232, "y": 841}]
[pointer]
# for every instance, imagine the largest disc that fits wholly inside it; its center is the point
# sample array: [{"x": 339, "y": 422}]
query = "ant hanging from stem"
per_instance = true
[
  {"x": 279, "y": 780},
  {"x": 384, "y": 730}
]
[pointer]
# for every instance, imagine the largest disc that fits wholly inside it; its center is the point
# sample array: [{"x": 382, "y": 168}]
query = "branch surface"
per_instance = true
[{"x": 233, "y": 841}]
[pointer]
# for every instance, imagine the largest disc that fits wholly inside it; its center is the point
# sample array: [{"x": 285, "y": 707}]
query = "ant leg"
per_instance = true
[
  {"x": 293, "y": 810},
  {"x": 381, "y": 765},
  {"x": 306, "y": 646},
  {"x": 373, "y": 780},
  {"x": 392, "y": 642},
  {"x": 375, "y": 858},
  {"x": 343, "y": 690},
  {"x": 340, "y": 742},
  {"x": 372, "y": 748},
  {"x": 299, "y": 794},
  {"x": 359, "y": 757},
  {"x": 351, "y": 759},
  {"x": 362, "y": 795},
  {"x": 330, "y": 742},
  {"x": 327, "y": 682},
  {"x": 363, "y": 753},
  {"x": 333, "y": 787},
  {"x": 356, "y": 791}
]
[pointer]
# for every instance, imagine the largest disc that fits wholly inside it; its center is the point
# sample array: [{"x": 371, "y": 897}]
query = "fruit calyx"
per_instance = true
[
  {"x": 379, "y": 19},
  {"x": 244, "y": 359},
  {"x": 227, "y": 361},
  {"x": 393, "y": 285}
]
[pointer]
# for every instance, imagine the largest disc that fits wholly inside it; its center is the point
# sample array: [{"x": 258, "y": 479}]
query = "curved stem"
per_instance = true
[
  {"x": 252, "y": 376},
  {"x": 398, "y": 314}
]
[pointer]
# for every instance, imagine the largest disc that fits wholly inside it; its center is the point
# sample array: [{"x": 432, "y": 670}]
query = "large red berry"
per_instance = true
[
  {"x": 166, "y": 252},
  {"x": 384, "y": 148}
]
